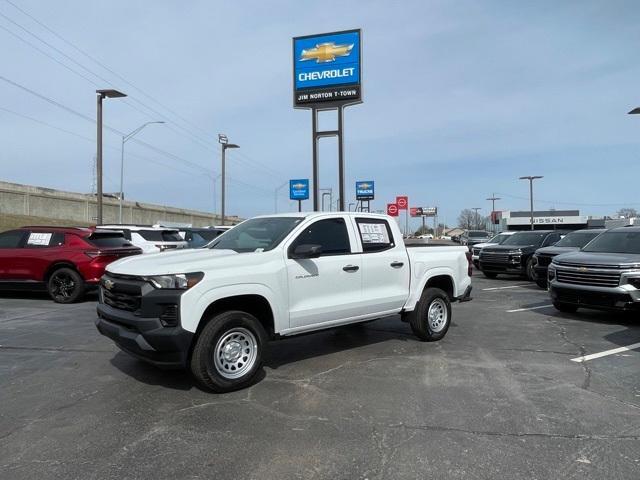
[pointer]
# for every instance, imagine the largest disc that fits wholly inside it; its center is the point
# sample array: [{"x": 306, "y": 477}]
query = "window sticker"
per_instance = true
[
  {"x": 374, "y": 233},
  {"x": 39, "y": 239}
]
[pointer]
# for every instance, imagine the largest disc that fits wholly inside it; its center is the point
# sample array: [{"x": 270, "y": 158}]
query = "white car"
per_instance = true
[
  {"x": 151, "y": 239},
  {"x": 427, "y": 236},
  {"x": 213, "y": 310},
  {"x": 496, "y": 240}
]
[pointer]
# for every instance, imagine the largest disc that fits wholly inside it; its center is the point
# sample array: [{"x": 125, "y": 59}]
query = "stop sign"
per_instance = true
[
  {"x": 392, "y": 209},
  {"x": 402, "y": 202}
]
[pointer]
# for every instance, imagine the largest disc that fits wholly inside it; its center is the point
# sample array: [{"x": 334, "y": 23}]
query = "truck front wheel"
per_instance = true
[
  {"x": 229, "y": 352},
  {"x": 432, "y": 317}
]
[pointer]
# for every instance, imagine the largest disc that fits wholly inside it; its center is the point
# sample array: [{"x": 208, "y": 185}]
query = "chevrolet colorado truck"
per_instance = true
[
  {"x": 604, "y": 275},
  {"x": 213, "y": 310}
]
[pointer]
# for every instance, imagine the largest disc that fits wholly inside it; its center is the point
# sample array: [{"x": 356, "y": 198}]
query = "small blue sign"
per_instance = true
[
  {"x": 365, "y": 190},
  {"x": 299, "y": 189}
]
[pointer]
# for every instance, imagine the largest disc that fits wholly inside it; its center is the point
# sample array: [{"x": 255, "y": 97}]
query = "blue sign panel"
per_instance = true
[
  {"x": 326, "y": 68},
  {"x": 299, "y": 189},
  {"x": 365, "y": 190}
]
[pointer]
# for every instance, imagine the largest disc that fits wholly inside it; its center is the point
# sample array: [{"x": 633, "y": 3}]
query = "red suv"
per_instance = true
[{"x": 64, "y": 261}]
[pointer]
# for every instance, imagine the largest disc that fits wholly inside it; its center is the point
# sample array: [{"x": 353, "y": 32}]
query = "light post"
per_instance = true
[
  {"x": 125, "y": 138},
  {"x": 275, "y": 196},
  {"x": 102, "y": 94},
  {"x": 224, "y": 143},
  {"x": 531, "y": 179},
  {"x": 351, "y": 203},
  {"x": 325, "y": 192},
  {"x": 477, "y": 220},
  {"x": 493, "y": 199}
]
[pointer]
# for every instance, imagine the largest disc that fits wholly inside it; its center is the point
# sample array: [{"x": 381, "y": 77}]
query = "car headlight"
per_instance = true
[
  {"x": 179, "y": 281},
  {"x": 551, "y": 272},
  {"x": 634, "y": 281}
]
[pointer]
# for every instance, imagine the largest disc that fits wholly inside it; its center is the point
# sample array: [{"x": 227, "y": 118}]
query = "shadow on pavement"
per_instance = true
[{"x": 151, "y": 375}]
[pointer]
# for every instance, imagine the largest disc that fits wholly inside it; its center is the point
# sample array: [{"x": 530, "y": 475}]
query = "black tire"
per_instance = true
[
  {"x": 422, "y": 327},
  {"x": 490, "y": 274},
  {"x": 530, "y": 272},
  {"x": 65, "y": 285},
  {"x": 541, "y": 282},
  {"x": 565, "y": 307},
  {"x": 229, "y": 373}
]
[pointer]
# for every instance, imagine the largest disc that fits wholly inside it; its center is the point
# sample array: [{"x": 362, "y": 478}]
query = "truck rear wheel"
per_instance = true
[
  {"x": 229, "y": 352},
  {"x": 432, "y": 317}
]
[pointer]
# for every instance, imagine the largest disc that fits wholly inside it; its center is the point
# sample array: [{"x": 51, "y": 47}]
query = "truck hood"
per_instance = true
[
  {"x": 483, "y": 245},
  {"x": 610, "y": 259},
  {"x": 507, "y": 248},
  {"x": 180, "y": 261},
  {"x": 552, "y": 251}
]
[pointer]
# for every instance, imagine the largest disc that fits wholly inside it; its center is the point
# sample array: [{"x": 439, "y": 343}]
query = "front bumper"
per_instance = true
[
  {"x": 142, "y": 328},
  {"x": 541, "y": 272},
  {"x": 506, "y": 268},
  {"x": 609, "y": 299}
]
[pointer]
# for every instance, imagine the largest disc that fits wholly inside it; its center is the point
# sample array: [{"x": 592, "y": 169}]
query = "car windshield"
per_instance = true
[
  {"x": 257, "y": 234},
  {"x": 160, "y": 235},
  {"x": 577, "y": 239},
  {"x": 477, "y": 234},
  {"x": 526, "y": 238},
  {"x": 615, "y": 242},
  {"x": 501, "y": 237}
]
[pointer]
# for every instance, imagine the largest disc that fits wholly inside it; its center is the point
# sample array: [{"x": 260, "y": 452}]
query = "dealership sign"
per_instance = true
[
  {"x": 415, "y": 211},
  {"x": 365, "y": 190},
  {"x": 299, "y": 189},
  {"x": 326, "y": 68},
  {"x": 430, "y": 211},
  {"x": 392, "y": 209}
]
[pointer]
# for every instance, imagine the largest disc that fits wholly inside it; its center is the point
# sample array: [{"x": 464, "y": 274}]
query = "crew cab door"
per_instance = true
[
  {"x": 10, "y": 251},
  {"x": 326, "y": 288},
  {"x": 386, "y": 272}
]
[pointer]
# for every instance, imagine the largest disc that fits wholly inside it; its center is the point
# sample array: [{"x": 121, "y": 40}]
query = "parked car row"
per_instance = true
[
  {"x": 67, "y": 262},
  {"x": 591, "y": 268}
]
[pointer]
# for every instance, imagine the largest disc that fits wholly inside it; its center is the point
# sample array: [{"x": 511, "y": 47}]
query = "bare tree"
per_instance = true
[{"x": 628, "y": 212}]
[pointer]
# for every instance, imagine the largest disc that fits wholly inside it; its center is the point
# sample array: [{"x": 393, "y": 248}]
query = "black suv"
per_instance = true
[
  {"x": 515, "y": 255},
  {"x": 570, "y": 243},
  {"x": 604, "y": 275}
]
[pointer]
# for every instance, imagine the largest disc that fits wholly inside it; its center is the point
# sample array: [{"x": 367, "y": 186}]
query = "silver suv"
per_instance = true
[{"x": 604, "y": 275}]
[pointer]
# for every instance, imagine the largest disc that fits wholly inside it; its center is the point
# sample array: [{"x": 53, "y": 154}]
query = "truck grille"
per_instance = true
[
  {"x": 122, "y": 294},
  {"x": 588, "y": 277},
  {"x": 494, "y": 257}
]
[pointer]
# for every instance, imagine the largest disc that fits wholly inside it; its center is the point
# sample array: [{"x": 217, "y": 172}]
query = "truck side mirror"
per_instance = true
[{"x": 307, "y": 251}]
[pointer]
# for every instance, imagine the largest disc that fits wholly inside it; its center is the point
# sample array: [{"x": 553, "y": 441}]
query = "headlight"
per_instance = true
[
  {"x": 551, "y": 272},
  {"x": 180, "y": 281},
  {"x": 634, "y": 281}
]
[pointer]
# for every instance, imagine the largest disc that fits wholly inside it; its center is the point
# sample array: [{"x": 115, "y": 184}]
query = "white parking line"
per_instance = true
[
  {"x": 605, "y": 353},
  {"x": 502, "y": 288},
  {"x": 529, "y": 308}
]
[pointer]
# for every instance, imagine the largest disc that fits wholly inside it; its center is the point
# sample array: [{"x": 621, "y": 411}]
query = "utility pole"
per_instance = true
[
  {"x": 102, "y": 94},
  {"x": 476, "y": 217},
  {"x": 531, "y": 178},
  {"x": 224, "y": 143},
  {"x": 493, "y": 199}
]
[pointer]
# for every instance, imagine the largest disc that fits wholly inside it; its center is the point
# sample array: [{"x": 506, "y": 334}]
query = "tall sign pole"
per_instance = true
[{"x": 327, "y": 77}]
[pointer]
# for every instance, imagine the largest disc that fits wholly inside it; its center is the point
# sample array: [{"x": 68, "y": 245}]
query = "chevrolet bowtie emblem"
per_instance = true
[
  {"x": 108, "y": 284},
  {"x": 326, "y": 52},
  {"x": 298, "y": 186},
  {"x": 364, "y": 185},
  {"x": 583, "y": 269}
]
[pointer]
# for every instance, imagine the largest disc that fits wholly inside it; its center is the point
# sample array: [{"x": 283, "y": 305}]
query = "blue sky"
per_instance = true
[{"x": 460, "y": 99}]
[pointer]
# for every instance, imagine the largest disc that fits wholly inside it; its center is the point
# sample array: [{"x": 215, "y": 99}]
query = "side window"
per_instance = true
[
  {"x": 44, "y": 239},
  {"x": 375, "y": 235},
  {"x": 330, "y": 234},
  {"x": 11, "y": 239}
]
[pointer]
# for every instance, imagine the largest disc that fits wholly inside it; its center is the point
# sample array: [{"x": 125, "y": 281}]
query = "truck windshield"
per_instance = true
[
  {"x": 477, "y": 234},
  {"x": 526, "y": 238},
  {"x": 577, "y": 239},
  {"x": 615, "y": 242},
  {"x": 257, "y": 234},
  {"x": 499, "y": 239}
]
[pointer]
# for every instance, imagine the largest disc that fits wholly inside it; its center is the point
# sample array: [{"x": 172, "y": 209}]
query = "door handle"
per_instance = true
[
  {"x": 397, "y": 264},
  {"x": 351, "y": 268}
]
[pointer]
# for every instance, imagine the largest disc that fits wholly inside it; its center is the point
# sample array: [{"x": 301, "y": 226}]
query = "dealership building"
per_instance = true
[{"x": 548, "y": 220}]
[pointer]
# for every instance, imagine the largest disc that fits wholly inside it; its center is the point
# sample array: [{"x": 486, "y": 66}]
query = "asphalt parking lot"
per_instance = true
[{"x": 499, "y": 397}]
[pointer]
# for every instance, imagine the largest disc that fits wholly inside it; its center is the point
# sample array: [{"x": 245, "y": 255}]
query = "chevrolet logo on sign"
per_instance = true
[
  {"x": 298, "y": 186},
  {"x": 364, "y": 186},
  {"x": 326, "y": 52}
]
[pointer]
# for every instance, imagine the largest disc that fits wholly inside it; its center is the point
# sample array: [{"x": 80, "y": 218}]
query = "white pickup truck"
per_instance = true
[{"x": 213, "y": 310}]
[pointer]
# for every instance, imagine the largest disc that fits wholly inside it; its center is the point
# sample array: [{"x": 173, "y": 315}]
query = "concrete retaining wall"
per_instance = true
[{"x": 20, "y": 199}]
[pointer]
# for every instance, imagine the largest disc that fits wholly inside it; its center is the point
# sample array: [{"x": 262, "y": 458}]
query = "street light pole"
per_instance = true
[
  {"x": 493, "y": 199},
  {"x": 224, "y": 143},
  {"x": 531, "y": 179},
  {"x": 125, "y": 138},
  {"x": 102, "y": 94},
  {"x": 476, "y": 217}
]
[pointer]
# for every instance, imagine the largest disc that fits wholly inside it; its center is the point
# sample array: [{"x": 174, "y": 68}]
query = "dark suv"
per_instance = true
[
  {"x": 515, "y": 255},
  {"x": 604, "y": 275},
  {"x": 570, "y": 243},
  {"x": 63, "y": 261}
]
